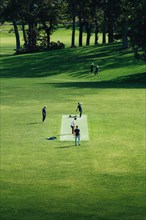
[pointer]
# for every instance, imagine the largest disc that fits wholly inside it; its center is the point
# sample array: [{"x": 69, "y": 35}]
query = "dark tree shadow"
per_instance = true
[
  {"x": 73, "y": 61},
  {"x": 65, "y": 147},
  {"x": 129, "y": 81}
]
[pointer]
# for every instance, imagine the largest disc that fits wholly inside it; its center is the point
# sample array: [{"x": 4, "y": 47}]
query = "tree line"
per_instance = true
[{"x": 117, "y": 19}]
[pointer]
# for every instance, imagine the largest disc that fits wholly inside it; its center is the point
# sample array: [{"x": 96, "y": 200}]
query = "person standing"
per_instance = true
[
  {"x": 44, "y": 113},
  {"x": 72, "y": 125},
  {"x": 92, "y": 67},
  {"x": 96, "y": 70},
  {"x": 79, "y": 107},
  {"x": 77, "y": 136}
]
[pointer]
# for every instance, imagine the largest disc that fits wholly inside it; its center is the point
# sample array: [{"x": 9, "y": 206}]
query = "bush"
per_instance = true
[
  {"x": 41, "y": 47},
  {"x": 56, "y": 45}
]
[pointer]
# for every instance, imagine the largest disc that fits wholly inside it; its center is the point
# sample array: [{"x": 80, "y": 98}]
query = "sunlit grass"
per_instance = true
[
  {"x": 104, "y": 178},
  {"x": 7, "y": 37}
]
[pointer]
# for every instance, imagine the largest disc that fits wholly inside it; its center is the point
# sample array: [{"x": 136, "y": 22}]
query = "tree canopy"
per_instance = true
[{"x": 117, "y": 19}]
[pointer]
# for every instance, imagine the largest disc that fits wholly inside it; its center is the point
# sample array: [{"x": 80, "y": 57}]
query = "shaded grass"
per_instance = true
[{"x": 76, "y": 63}]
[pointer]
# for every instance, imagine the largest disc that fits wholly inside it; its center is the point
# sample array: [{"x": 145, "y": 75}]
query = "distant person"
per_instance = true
[
  {"x": 96, "y": 70},
  {"x": 44, "y": 113},
  {"x": 77, "y": 135},
  {"x": 79, "y": 107},
  {"x": 92, "y": 67},
  {"x": 73, "y": 116}
]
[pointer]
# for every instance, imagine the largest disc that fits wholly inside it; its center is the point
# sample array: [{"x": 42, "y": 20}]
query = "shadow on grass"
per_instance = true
[
  {"x": 64, "y": 147},
  {"x": 72, "y": 61},
  {"x": 34, "y": 123},
  {"x": 131, "y": 81},
  {"x": 64, "y": 134}
]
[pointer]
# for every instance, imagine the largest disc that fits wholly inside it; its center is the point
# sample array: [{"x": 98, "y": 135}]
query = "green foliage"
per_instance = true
[
  {"x": 122, "y": 20},
  {"x": 41, "y": 47},
  {"x": 138, "y": 29}
]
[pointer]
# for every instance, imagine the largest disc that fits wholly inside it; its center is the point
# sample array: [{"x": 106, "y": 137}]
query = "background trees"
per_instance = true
[
  {"x": 124, "y": 20},
  {"x": 137, "y": 25},
  {"x": 9, "y": 12}
]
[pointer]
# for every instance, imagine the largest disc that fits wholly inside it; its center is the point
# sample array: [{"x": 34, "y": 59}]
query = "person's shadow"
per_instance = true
[
  {"x": 34, "y": 123},
  {"x": 65, "y": 147}
]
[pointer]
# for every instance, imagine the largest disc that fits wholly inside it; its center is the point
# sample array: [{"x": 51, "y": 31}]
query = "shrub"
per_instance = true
[{"x": 41, "y": 47}]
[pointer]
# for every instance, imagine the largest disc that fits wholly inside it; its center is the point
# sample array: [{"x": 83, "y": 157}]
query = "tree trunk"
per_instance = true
[
  {"x": 73, "y": 32},
  {"x": 88, "y": 39},
  {"x": 32, "y": 39},
  {"x": 80, "y": 32},
  {"x": 24, "y": 34},
  {"x": 48, "y": 37},
  {"x": 96, "y": 32},
  {"x": 110, "y": 31},
  {"x": 124, "y": 35},
  {"x": 88, "y": 30},
  {"x": 16, "y": 35},
  {"x": 104, "y": 30},
  {"x": 110, "y": 26},
  {"x": 48, "y": 32}
]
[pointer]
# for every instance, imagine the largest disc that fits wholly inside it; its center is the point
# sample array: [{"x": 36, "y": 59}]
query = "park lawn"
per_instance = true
[
  {"x": 8, "y": 42},
  {"x": 102, "y": 179}
]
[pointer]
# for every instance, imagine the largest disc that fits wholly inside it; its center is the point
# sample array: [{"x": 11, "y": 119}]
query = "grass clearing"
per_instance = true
[{"x": 103, "y": 179}]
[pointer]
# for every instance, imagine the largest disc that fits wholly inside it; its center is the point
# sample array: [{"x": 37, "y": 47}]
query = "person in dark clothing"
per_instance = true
[
  {"x": 92, "y": 67},
  {"x": 73, "y": 116},
  {"x": 44, "y": 113},
  {"x": 96, "y": 70},
  {"x": 77, "y": 135},
  {"x": 79, "y": 107}
]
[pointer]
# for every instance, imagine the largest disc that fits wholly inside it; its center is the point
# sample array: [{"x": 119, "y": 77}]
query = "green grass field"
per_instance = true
[{"x": 104, "y": 178}]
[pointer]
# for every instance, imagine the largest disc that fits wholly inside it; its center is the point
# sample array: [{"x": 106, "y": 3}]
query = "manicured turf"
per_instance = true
[{"x": 103, "y": 179}]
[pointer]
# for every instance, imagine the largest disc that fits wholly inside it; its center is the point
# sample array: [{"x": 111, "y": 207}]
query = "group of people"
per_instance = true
[
  {"x": 75, "y": 129},
  {"x": 75, "y": 132},
  {"x": 94, "y": 69}
]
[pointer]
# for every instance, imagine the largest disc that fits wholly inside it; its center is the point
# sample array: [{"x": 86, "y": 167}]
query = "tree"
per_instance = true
[
  {"x": 80, "y": 10},
  {"x": 123, "y": 21},
  {"x": 48, "y": 13},
  {"x": 97, "y": 15},
  {"x": 112, "y": 12},
  {"x": 89, "y": 14},
  {"x": 9, "y": 12},
  {"x": 138, "y": 28},
  {"x": 104, "y": 22},
  {"x": 72, "y": 13}
]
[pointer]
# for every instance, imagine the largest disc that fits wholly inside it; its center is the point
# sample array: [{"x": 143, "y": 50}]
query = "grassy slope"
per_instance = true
[
  {"x": 104, "y": 178},
  {"x": 7, "y": 38}
]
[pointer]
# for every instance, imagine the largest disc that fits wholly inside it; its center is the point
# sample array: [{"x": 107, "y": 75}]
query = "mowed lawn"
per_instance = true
[{"x": 104, "y": 178}]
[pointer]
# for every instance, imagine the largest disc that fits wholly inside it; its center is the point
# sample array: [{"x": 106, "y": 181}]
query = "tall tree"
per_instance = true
[
  {"x": 138, "y": 27},
  {"x": 72, "y": 13},
  {"x": 97, "y": 15},
  {"x": 9, "y": 12},
  {"x": 124, "y": 20},
  {"x": 48, "y": 13},
  {"x": 81, "y": 6},
  {"x": 89, "y": 14},
  {"x": 104, "y": 22},
  {"x": 113, "y": 10}
]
